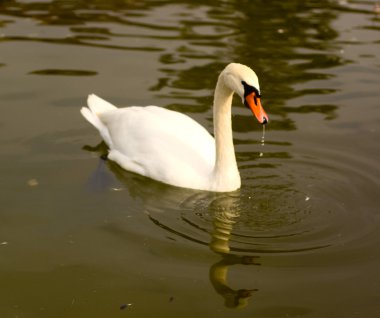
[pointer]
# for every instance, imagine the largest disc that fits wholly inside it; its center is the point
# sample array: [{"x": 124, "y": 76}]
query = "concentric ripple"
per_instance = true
[{"x": 307, "y": 204}]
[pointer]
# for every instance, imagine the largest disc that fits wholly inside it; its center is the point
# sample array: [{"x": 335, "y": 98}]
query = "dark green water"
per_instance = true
[{"x": 81, "y": 238}]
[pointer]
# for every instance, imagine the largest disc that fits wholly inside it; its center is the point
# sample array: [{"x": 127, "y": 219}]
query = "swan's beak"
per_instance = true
[{"x": 254, "y": 103}]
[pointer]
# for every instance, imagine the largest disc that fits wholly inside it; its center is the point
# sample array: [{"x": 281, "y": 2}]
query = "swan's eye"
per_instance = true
[{"x": 248, "y": 89}]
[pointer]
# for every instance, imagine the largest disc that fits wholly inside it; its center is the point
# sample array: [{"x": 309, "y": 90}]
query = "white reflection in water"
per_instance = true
[{"x": 225, "y": 216}]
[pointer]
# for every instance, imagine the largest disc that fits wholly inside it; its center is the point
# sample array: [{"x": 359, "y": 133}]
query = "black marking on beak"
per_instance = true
[{"x": 248, "y": 89}]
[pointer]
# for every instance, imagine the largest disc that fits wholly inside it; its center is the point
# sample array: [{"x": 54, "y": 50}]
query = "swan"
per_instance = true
[{"x": 171, "y": 147}]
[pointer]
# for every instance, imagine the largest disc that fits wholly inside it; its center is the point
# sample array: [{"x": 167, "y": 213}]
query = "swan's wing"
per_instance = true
[{"x": 161, "y": 144}]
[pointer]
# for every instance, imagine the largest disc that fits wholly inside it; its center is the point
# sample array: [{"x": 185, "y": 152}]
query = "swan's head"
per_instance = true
[{"x": 243, "y": 81}]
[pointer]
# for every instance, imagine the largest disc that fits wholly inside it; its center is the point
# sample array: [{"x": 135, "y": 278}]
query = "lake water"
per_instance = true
[{"x": 79, "y": 237}]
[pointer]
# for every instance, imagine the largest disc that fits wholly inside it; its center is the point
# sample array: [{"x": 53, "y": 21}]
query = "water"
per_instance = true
[{"x": 79, "y": 237}]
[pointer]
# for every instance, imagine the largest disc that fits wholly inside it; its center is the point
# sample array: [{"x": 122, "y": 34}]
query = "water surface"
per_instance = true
[{"x": 79, "y": 237}]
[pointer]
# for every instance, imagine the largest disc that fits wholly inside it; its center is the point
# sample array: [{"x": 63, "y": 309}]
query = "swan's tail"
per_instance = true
[{"x": 96, "y": 106}]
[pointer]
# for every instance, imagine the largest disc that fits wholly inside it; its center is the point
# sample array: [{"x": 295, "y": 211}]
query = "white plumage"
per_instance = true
[{"x": 171, "y": 147}]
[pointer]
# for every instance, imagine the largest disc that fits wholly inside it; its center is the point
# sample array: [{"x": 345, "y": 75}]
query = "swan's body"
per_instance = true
[{"x": 173, "y": 148}]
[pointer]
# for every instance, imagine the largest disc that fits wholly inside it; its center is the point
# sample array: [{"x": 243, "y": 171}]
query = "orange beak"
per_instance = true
[{"x": 254, "y": 103}]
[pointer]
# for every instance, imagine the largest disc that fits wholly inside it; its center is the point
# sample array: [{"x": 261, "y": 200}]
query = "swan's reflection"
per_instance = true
[
  {"x": 223, "y": 208},
  {"x": 233, "y": 298},
  {"x": 225, "y": 212}
]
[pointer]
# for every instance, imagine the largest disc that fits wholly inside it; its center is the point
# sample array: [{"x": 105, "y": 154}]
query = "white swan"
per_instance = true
[{"x": 173, "y": 148}]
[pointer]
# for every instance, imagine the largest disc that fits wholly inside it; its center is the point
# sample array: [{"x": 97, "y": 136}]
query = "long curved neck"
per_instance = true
[{"x": 226, "y": 173}]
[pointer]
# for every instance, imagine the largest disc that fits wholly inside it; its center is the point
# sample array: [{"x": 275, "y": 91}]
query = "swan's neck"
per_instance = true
[{"x": 226, "y": 173}]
